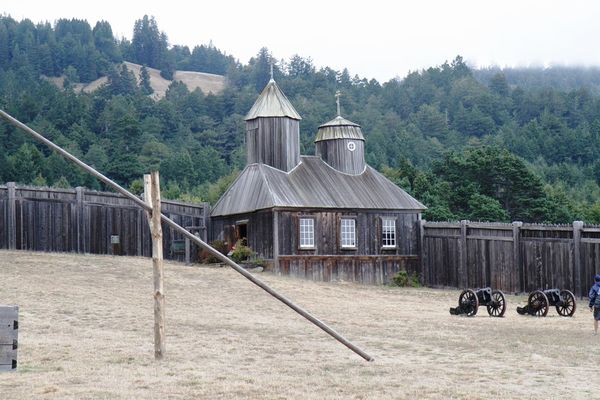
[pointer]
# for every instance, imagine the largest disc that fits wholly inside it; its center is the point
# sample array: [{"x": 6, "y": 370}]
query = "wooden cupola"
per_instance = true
[
  {"x": 341, "y": 144},
  {"x": 273, "y": 130}
]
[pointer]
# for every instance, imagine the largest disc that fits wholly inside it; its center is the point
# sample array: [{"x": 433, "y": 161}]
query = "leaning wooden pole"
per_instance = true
[
  {"x": 195, "y": 239},
  {"x": 152, "y": 197}
]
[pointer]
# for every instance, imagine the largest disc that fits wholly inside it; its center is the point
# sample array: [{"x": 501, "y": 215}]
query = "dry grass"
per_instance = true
[
  {"x": 86, "y": 333},
  {"x": 207, "y": 83}
]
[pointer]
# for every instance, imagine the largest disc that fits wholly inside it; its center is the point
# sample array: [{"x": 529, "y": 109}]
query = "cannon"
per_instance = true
[
  {"x": 470, "y": 300},
  {"x": 540, "y": 301}
]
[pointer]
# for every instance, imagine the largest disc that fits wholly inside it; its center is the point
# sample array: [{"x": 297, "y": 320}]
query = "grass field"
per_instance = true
[{"x": 86, "y": 333}]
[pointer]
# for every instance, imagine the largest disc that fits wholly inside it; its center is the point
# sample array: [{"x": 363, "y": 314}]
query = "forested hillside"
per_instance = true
[{"x": 474, "y": 144}]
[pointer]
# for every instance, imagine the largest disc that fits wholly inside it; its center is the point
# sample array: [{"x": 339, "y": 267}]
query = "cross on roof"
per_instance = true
[
  {"x": 272, "y": 69},
  {"x": 338, "y": 94}
]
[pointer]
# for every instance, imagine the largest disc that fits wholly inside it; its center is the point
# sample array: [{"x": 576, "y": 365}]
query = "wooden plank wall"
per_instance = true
[
  {"x": 260, "y": 231},
  {"x": 274, "y": 141},
  {"x": 9, "y": 343},
  {"x": 336, "y": 154},
  {"x": 513, "y": 257},
  {"x": 78, "y": 220},
  {"x": 368, "y": 232},
  {"x": 370, "y": 270}
]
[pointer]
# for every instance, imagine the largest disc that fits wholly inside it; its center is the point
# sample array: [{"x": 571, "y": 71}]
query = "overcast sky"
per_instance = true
[{"x": 374, "y": 39}]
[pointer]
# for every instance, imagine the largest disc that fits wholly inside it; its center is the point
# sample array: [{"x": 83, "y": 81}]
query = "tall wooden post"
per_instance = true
[
  {"x": 12, "y": 215},
  {"x": 80, "y": 219},
  {"x": 517, "y": 264},
  {"x": 577, "y": 272},
  {"x": 152, "y": 196},
  {"x": 424, "y": 269},
  {"x": 188, "y": 249},
  {"x": 462, "y": 255}
]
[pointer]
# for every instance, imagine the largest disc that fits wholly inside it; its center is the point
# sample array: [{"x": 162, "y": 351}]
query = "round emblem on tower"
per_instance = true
[{"x": 351, "y": 146}]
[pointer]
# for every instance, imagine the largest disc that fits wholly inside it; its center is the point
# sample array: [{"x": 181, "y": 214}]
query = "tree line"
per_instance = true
[{"x": 468, "y": 143}]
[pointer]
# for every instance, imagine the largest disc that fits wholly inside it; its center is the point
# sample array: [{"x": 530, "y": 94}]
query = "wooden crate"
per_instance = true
[{"x": 9, "y": 329}]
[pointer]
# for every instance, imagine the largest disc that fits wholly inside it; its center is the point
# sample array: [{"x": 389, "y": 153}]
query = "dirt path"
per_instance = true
[{"x": 86, "y": 333}]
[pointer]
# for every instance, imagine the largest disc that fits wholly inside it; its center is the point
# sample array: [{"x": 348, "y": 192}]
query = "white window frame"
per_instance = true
[
  {"x": 348, "y": 233},
  {"x": 388, "y": 233},
  {"x": 306, "y": 236}
]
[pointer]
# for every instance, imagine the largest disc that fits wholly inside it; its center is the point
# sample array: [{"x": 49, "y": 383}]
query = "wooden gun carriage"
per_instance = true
[
  {"x": 540, "y": 301},
  {"x": 470, "y": 300}
]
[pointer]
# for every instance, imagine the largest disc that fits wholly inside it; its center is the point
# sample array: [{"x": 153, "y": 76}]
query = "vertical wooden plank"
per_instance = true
[
  {"x": 517, "y": 266},
  {"x": 12, "y": 216},
  {"x": 422, "y": 251},
  {"x": 462, "y": 255},
  {"x": 79, "y": 218},
  {"x": 276, "y": 240},
  {"x": 577, "y": 227},
  {"x": 187, "y": 251}
]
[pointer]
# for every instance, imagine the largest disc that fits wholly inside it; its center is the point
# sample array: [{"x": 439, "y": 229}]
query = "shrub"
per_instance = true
[
  {"x": 241, "y": 252},
  {"x": 256, "y": 262},
  {"x": 220, "y": 246},
  {"x": 405, "y": 279}
]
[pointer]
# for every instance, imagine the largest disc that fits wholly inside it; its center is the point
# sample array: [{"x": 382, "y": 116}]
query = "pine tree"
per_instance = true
[{"x": 145, "y": 86}]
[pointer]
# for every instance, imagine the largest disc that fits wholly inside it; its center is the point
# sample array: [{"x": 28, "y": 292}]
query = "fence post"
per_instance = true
[
  {"x": 80, "y": 219},
  {"x": 424, "y": 269},
  {"x": 577, "y": 227},
  {"x": 187, "y": 252},
  {"x": 463, "y": 280},
  {"x": 206, "y": 218},
  {"x": 12, "y": 215},
  {"x": 517, "y": 264}
]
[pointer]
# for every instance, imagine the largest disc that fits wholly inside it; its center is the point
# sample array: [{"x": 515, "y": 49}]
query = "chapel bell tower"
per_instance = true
[{"x": 273, "y": 130}]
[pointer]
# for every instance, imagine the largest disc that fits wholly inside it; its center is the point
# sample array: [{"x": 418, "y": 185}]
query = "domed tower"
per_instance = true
[
  {"x": 273, "y": 130},
  {"x": 341, "y": 144}
]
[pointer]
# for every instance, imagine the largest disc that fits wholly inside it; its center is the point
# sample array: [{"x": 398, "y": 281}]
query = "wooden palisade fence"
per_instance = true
[
  {"x": 515, "y": 257},
  {"x": 86, "y": 221}
]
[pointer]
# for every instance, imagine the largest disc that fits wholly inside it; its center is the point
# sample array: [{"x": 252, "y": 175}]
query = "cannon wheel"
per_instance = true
[
  {"x": 538, "y": 303},
  {"x": 497, "y": 306},
  {"x": 468, "y": 302},
  {"x": 567, "y": 306}
]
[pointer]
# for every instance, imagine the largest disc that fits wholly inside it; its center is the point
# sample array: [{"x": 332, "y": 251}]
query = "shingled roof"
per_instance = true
[
  {"x": 339, "y": 128},
  {"x": 272, "y": 103},
  {"x": 312, "y": 184}
]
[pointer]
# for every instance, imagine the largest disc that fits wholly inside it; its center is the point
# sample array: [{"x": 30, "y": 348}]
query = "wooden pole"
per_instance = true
[
  {"x": 217, "y": 254},
  {"x": 152, "y": 196}
]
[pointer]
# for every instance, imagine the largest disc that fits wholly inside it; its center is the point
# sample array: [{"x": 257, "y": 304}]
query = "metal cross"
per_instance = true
[
  {"x": 338, "y": 94},
  {"x": 272, "y": 69}
]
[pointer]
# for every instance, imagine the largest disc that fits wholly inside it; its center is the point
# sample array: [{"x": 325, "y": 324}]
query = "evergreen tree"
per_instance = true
[
  {"x": 145, "y": 86},
  {"x": 148, "y": 46}
]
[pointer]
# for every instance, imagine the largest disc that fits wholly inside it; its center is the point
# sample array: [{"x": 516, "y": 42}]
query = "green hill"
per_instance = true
[{"x": 474, "y": 144}]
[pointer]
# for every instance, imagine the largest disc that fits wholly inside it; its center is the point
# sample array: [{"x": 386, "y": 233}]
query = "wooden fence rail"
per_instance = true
[
  {"x": 513, "y": 257},
  {"x": 86, "y": 221}
]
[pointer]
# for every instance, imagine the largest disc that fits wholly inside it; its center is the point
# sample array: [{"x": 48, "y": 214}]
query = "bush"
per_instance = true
[
  {"x": 220, "y": 246},
  {"x": 405, "y": 279},
  {"x": 255, "y": 262},
  {"x": 241, "y": 252}
]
